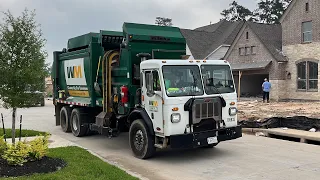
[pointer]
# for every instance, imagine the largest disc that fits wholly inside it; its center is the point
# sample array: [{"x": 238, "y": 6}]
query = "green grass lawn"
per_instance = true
[
  {"x": 24, "y": 133},
  {"x": 81, "y": 165}
]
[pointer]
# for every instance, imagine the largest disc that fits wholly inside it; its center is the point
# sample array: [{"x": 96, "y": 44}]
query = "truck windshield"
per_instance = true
[
  {"x": 182, "y": 80},
  {"x": 217, "y": 79}
]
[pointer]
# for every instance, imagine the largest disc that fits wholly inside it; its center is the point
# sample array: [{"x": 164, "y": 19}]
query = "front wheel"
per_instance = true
[{"x": 141, "y": 141}]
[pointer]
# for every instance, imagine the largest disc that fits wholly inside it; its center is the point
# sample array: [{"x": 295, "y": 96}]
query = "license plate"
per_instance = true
[{"x": 212, "y": 140}]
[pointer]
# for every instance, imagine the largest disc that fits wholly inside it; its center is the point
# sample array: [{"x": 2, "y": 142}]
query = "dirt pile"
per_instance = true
[{"x": 255, "y": 110}]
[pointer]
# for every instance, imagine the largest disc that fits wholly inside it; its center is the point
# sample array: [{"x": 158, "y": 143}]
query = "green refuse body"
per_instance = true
[{"x": 74, "y": 70}]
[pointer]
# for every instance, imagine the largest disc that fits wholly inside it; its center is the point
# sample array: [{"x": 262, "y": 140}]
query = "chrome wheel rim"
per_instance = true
[
  {"x": 139, "y": 140},
  {"x": 74, "y": 123}
]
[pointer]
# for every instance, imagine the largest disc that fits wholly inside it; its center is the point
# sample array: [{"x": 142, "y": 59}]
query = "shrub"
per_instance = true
[
  {"x": 16, "y": 154},
  {"x": 38, "y": 148},
  {"x": 3, "y": 145},
  {"x": 21, "y": 152}
]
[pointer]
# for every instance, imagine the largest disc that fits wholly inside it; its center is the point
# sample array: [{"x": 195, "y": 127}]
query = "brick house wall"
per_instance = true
[
  {"x": 275, "y": 71},
  {"x": 298, "y": 51},
  {"x": 261, "y": 53}
]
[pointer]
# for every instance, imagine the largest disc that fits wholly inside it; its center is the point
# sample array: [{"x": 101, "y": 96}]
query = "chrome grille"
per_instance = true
[{"x": 206, "y": 110}]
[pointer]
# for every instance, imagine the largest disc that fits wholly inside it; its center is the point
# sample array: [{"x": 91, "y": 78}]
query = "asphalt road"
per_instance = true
[{"x": 248, "y": 158}]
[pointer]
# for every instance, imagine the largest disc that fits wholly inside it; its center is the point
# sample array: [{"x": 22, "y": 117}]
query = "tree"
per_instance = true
[
  {"x": 162, "y": 21},
  {"x": 22, "y": 62},
  {"x": 237, "y": 12},
  {"x": 270, "y": 11}
]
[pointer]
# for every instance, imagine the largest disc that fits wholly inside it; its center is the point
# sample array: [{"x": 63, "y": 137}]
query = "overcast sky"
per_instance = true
[{"x": 62, "y": 19}]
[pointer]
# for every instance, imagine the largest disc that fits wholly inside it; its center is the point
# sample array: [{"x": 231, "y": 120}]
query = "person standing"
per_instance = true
[{"x": 266, "y": 86}]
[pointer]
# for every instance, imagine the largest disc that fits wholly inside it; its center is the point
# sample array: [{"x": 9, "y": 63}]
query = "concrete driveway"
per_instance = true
[{"x": 247, "y": 158}]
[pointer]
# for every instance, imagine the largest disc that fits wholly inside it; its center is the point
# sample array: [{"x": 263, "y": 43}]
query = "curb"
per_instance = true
[
  {"x": 53, "y": 144},
  {"x": 251, "y": 130},
  {"x": 115, "y": 164}
]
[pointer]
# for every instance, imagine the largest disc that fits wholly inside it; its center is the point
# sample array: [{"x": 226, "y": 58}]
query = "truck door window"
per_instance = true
[{"x": 156, "y": 80}]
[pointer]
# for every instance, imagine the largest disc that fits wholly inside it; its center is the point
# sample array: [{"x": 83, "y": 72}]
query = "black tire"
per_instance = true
[
  {"x": 65, "y": 114},
  {"x": 139, "y": 132},
  {"x": 42, "y": 102},
  {"x": 78, "y": 124}
]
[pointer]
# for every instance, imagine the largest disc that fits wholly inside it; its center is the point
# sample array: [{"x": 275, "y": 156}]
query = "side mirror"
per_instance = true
[
  {"x": 150, "y": 89},
  {"x": 123, "y": 44}
]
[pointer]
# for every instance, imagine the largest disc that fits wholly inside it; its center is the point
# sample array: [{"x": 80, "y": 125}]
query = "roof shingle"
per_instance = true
[
  {"x": 271, "y": 36},
  {"x": 204, "y": 40}
]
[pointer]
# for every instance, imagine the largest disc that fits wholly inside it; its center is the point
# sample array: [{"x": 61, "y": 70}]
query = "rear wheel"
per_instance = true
[
  {"x": 65, "y": 114},
  {"x": 141, "y": 141},
  {"x": 42, "y": 102},
  {"x": 78, "y": 126}
]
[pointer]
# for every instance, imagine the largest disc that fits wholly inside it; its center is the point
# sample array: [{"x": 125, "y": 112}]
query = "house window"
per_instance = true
[
  {"x": 307, "y": 75},
  {"x": 307, "y": 31},
  {"x": 307, "y": 7},
  {"x": 242, "y": 51},
  {"x": 247, "y": 35},
  {"x": 253, "y": 50},
  {"x": 247, "y": 50}
]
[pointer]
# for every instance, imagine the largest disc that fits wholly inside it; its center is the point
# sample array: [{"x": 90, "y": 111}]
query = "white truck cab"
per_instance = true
[{"x": 191, "y": 103}]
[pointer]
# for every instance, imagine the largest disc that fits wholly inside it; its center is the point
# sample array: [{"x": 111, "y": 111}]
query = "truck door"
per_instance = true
[{"x": 153, "y": 99}]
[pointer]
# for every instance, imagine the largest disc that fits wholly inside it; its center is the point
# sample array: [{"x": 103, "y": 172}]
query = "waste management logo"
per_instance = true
[{"x": 75, "y": 77}]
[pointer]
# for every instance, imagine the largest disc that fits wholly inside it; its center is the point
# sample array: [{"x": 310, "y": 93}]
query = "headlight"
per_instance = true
[
  {"x": 233, "y": 111},
  {"x": 175, "y": 118}
]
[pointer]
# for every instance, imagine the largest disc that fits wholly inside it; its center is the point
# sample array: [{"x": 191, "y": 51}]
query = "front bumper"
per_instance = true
[{"x": 194, "y": 140}]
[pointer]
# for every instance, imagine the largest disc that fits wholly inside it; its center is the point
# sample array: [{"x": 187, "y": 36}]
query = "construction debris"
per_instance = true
[{"x": 257, "y": 110}]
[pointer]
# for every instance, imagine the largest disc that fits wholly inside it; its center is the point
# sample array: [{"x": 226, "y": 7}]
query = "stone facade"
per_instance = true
[
  {"x": 296, "y": 50},
  {"x": 297, "y": 53}
]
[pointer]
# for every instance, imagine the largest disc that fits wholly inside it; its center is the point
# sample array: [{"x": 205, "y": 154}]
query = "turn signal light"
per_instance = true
[
  {"x": 175, "y": 109},
  {"x": 232, "y": 103}
]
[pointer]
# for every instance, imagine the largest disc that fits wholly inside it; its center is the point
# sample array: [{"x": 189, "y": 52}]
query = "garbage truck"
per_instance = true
[{"x": 140, "y": 81}]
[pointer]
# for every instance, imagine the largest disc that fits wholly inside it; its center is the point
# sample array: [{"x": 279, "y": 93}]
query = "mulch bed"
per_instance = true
[{"x": 45, "y": 165}]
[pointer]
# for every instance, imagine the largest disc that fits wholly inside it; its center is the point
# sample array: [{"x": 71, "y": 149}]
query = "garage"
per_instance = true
[{"x": 251, "y": 78}]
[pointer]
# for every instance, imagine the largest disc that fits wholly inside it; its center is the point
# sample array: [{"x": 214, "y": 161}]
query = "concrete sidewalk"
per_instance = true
[{"x": 54, "y": 141}]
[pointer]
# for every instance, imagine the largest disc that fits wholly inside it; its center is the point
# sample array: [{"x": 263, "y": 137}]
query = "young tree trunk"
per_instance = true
[{"x": 14, "y": 112}]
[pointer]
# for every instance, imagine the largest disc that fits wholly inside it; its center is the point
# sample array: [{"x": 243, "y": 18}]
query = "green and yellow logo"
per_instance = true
[{"x": 74, "y": 72}]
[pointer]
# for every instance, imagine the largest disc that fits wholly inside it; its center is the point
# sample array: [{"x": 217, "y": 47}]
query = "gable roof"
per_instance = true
[
  {"x": 287, "y": 10},
  {"x": 270, "y": 35},
  {"x": 197, "y": 41},
  {"x": 204, "y": 40}
]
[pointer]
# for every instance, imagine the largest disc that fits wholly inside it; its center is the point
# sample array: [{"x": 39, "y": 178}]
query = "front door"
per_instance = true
[{"x": 152, "y": 102}]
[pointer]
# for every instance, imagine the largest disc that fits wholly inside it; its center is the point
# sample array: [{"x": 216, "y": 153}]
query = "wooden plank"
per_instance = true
[{"x": 239, "y": 84}]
